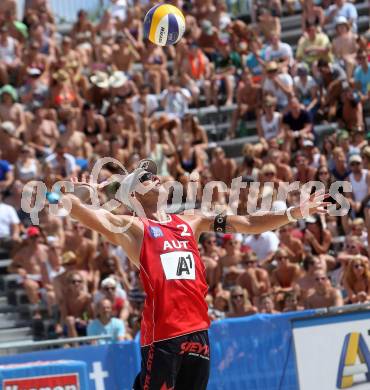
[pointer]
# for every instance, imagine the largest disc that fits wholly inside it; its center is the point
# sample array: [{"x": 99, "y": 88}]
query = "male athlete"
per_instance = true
[{"x": 174, "y": 338}]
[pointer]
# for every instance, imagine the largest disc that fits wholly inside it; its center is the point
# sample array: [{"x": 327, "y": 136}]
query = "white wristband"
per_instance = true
[{"x": 289, "y": 214}]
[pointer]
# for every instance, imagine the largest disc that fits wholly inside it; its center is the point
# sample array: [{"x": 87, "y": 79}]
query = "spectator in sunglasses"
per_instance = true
[
  {"x": 357, "y": 280},
  {"x": 254, "y": 279},
  {"x": 240, "y": 305}
]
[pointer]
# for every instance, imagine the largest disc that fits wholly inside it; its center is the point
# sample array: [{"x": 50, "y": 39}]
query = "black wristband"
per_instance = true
[{"x": 219, "y": 225}]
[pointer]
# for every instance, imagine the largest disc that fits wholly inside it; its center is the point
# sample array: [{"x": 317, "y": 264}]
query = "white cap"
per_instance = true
[
  {"x": 9, "y": 127},
  {"x": 108, "y": 282},
  {"x": 341, "y": 20}
]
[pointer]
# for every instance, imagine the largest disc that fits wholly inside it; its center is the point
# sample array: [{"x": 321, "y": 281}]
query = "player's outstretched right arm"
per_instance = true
[{"x": 98, "y": 219}]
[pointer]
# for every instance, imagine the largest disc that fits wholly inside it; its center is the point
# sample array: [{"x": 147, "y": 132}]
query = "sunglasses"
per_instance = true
[
  {"x": 237, "y": 296},
  {"x": 281, "y": 258},
  {"x": 146, "y": 177},
  {"x": 351, "y": 247},
  {"x": 75, "y": 281},
  {"x": 357, "y": 266},
  {"x": 250, "y": 262},
  {"x": 269, "y": 173},
  {"x": 355, "y": 163},
  {"x": 109, "y": 288},
  {"x": 211, "y": 242},
  {"x": 320, "y": 278}
]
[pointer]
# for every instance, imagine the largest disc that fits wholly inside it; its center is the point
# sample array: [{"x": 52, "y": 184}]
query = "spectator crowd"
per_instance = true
[{"x": 101, "y": 89}]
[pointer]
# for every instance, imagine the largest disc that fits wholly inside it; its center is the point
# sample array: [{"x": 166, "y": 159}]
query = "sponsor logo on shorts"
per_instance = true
[
  {"x": 195, "y": 349},
  {"x": 50, "y": 382}
]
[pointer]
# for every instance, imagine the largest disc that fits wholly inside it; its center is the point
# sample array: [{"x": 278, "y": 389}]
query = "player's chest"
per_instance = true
[{"x": 171, "y": 255}]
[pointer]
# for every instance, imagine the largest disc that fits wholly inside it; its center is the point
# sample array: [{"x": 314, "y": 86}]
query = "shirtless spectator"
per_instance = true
[
  {"x": 304, "y": 173},
  {"x": 222, "y": 168},
  {"x": 286, "y": 274},
  {"x": 76, "y": 306},
  {"x": 248, "y": 100},
  {"x": 124, "y": 53},
  {"x": 107, "y": 264},
  {"x": 345, "y": 44},
  {"x": 324, "y": 295},
  {"x": 10, "y": 51},
  {"x": 210, "y": 255},
  {"x": 83, "y": 247},
  {"x": 254, "y": 279},
  {"x": 42, "y": 133},
  {"x": 229, "y": 265},
  {"x": 26, "y": 262},
  {"x": 51, "y": 225},
  {"x": 240, "y": 305},
  {"x": 356, "y": 280},
  {"x": 75, "y": 141},
  {"x": 292, "y": 245},
  {"x": 155, "y": 66},
  {"x": 10, "y": 110},
  {"x": 11, "y": 144},
  {"x": 306, "y": 283}
]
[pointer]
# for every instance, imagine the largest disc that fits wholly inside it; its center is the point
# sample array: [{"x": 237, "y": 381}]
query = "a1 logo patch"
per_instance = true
[{"x": 178, "y": 265}]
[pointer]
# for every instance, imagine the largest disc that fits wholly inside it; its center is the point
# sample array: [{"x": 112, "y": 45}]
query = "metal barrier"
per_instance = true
[{"x": 17, "y": 346}]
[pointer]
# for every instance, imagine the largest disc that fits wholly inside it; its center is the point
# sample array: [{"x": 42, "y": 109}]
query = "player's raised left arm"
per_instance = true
[{"x": 256, "y": 224}]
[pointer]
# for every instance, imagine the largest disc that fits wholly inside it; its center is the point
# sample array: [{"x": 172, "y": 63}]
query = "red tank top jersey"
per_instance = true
[{"x": 173, "y": 278}]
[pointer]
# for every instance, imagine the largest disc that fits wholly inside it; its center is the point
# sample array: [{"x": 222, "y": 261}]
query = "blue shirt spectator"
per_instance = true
[
  {"x": 342, "y": 8},
  {"x": 362, "y": 73},
  {"x": 105, "y": 324}
]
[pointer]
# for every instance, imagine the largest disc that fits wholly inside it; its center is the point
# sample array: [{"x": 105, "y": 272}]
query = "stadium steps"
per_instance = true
[
  {"x": 294, "y": 21},
  {"x": 292, "y": 36},
  {"x": 15, "y": 334}
]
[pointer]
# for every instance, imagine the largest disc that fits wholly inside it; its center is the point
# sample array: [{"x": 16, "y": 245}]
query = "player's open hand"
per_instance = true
[{"x": 313, "y": 204}]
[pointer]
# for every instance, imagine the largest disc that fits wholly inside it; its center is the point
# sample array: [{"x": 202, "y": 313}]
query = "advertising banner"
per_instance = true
[
  {"x": 333, "y": 352},
  {"x": 60, "y": 375}
]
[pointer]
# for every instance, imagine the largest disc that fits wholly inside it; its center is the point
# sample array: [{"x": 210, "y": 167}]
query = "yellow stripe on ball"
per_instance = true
[{"x": 161, "y": 12}]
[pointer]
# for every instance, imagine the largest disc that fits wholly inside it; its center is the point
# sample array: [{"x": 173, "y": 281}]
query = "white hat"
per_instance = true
[
  {"x": 341, "y": 20},
  {"x": 9, "y": 127},
  {"x": 307, "y": 142},
  {"x": 108, "y": 282},
  {"x": 117, "y": 79},
  {"x": 100, "y": 79}
]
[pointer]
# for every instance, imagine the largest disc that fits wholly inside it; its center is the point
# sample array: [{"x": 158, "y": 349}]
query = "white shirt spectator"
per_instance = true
[
  {"x": 176, "y": 103},
  {"x": 118, "y": 9},
  {"x": 262, "y": 244},
  {"x": 348, "y": 10},
  {"x": 8, "y": 217},
  {"x": 151, "y": 105},
  {"x": 70, "y": 162},
  {"x": 269, "y": 86},
  {"x": 284, "y": 50}
]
